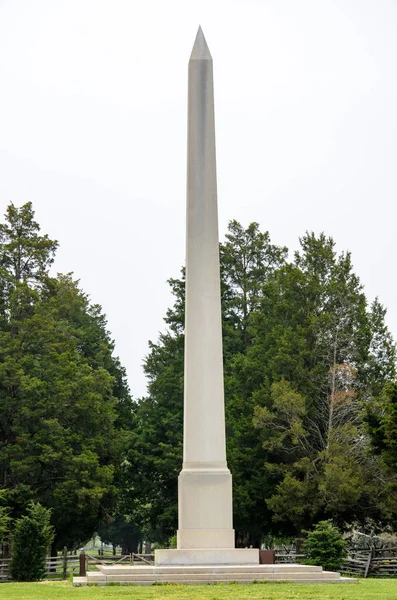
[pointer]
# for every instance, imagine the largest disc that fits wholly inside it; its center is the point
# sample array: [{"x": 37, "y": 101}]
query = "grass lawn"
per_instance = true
[{"x": 365, "y": 589}]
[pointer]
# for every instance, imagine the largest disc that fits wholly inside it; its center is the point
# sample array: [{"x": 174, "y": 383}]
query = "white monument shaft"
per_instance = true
[
  {"x": 204, "y": 421},
  {"x": 205, "y": 534},
  {"x": 205, "y": 483}
]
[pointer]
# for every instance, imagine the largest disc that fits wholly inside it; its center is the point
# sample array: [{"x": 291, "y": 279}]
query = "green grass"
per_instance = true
[{"x": 368, "y": 589}]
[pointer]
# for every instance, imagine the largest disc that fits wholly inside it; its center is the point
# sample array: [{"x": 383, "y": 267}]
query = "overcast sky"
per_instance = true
[{"x": 93, "y": 131}]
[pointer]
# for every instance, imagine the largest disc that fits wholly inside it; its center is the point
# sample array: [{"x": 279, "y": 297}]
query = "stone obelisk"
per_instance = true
[
  {"x": 205, "y": 483},
  {"x": 205, "y": 552},
  {"x": 205, "y": 535}
]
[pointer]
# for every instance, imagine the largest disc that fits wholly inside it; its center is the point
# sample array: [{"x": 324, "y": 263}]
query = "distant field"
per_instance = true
[{"x": 368, "y": 589}]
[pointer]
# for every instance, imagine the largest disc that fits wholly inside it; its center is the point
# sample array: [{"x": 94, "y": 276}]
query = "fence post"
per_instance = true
[
  {"x": 64, "y": 562},
  {"x": 83, "y": 570},
  {"x": 368, "y": 565}
]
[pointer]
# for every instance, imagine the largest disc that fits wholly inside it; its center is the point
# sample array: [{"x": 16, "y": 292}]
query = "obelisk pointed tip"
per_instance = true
[{"x": 200, "y": 48}]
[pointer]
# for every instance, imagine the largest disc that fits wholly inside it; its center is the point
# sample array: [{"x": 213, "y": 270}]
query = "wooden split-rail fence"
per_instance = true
[
  {"x": 66, "y": 564},
  {"x": 361, "y": 563},
  {"x": 372, "y": 562},
  {"x": 56, "y": 567},
  {"x": 375, "y": 562}
]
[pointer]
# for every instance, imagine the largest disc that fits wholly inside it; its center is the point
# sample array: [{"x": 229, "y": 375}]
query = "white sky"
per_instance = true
[{"x": 93, "y": 132}]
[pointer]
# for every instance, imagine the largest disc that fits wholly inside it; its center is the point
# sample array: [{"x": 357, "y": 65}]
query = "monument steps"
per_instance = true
[
  {"x": 277, "y": 568},
  {"x": 210, "y": 574}
]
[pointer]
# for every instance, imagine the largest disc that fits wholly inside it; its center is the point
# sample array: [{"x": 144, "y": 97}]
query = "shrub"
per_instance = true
[
  {"x": 325, "y": 546},
  {"x": 31, "y": 539}
]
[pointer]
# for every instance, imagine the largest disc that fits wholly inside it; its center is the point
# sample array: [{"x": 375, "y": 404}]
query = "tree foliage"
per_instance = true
[
  {"x": 303, "y": 354},
  {"x": 33, "y": 535},
  {"x": 325, "y": 546},
  {"x": 121, "y": 532},
  {"x": 326, "y": 350},
  {"x": 64, "y": 402},
  {"x": 382, "y": 425},
  {"x": 5, "y": 519}
]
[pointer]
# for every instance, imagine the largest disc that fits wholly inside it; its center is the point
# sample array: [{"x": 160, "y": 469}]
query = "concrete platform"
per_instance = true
[{"x": 189, "y": 575}]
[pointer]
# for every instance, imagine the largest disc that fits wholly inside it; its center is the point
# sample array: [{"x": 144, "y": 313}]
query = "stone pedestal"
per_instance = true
[
  {"x": 205, "y": 508},
  {"x": 207, "y": 557}
]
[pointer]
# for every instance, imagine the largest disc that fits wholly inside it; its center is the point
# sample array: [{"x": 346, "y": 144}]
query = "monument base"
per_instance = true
[
  {"x": 189, "y": 575},
  {"x": 205, "y": 507},
  {"x": 207, "y": 556}
]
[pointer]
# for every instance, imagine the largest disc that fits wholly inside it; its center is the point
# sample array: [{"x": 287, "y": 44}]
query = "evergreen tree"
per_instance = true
[
  {"x": 303, "y": 353},
  {"x": 323, "y": 362},
  {"x": 382, "y": 425},
  {"x": 32, "y": 537},
  {"x": 155, "y": 457},
  {"x": 325, "y": 546},
  {"x": 64, "y": 402}
]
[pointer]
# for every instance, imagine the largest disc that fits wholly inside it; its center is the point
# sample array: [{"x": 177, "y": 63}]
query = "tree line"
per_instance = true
[
  {"x": 310, "y": 368},
  {"x": 310, "y": 396}
]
